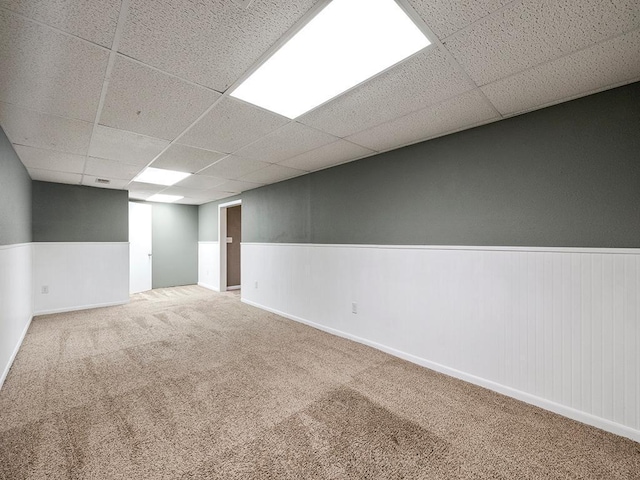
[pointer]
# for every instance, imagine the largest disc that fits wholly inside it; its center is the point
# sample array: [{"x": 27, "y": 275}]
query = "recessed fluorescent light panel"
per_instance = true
[
  {"x": 159, "y": 197},
  {"x": 160, "y": 176},
  {"x": 346, "y": 43}
]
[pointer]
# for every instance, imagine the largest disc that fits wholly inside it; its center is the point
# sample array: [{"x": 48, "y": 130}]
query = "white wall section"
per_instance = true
[
  {"x": 556, "y": 327},
  {"x": 15, "y": 301},
  {"x": 79, "y": 275},
  {"x": 209, "y": 265}
]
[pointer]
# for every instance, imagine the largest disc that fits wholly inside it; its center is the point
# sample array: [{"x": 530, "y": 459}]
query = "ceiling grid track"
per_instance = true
[
  {"x": 55, "y": 29},
  {"x": 227, "y": 92},
  {"x": 493, "y": 60},
  {"x": 572, "y": 52},
  {"x": 122, "y": 18}
]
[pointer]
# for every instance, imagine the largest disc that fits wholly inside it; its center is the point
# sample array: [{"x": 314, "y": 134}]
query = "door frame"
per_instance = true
[{"x": 222, "y": 241}]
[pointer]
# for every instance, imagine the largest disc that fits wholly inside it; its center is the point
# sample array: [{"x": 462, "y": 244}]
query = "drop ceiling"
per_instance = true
[{"x": 101, "y": 89}]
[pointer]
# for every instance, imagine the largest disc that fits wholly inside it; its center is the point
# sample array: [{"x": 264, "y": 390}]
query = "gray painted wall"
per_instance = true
[
  {"x": 73, "y": 213},
  {"x": 15, "y": 196},
  {"x": 175, "y": 245},
  {"x": 567, "y": 175},
  {"x": 208, "y": 219}
]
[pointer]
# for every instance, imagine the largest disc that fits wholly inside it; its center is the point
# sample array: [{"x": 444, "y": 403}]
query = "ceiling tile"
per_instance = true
[
  {"x": 186, "y": 159},
  {"x": 236, "y": 186},
  {"x": 230, "y": 125},
  {"x": 445, "y": 17},
  {"x": 143, "y": 190},
  {"x": 213, "y": 195},
  {"x": 286, "y": 142},
  {"x": 138, "y": 195},
  {"x": 42, "y": 159},
  {"x": 196, "y": 197},
  {"x": 123, "y": 146},
  {"x": 48, "y": 71},
  {"x": 234, "y": 167},
  {"x": 272, "y": 174},
  {"x": 202, "y": 182},
  {"x": 26, "y": 127},
  {"x": 100, "y": 167},
  {"x": 190, "y": 201},
  {"x": 327, "y": 155},
  {"x": 464, "y": 111},
  {"x": 194, "y": 193},
  {"x": 54, "y": 177},
  {"x": 143, "y": 100},
  {"x": 93, "y": 21},
  {"x": 528, "y": 33},
  {"x": 422, "y": 80},
  {"x": 211, "y": 43},
  {"x": 114, "y": 183},
  {"x": 591, "y": 69}
]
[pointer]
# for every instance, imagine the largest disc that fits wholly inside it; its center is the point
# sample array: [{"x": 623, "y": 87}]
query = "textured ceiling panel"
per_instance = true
[
  {"x": 234, "y": 167},
  {"x": 25, "y": 127},
  {"x": 327, "y": 155},
  {"x": 525, "y": 53},
  {"x": 286, "y": 142},
  {"x": 531, "y": 32},
  {"x": 445, "y": 17},
  {"x": 143, "y": 100},
  {"x": 50, "y": 160},
  {"x": 92, "y": 20},
  {"x": 202, "y": 182},
  {"x": 114, "y": 183},
  {"x": 143, "y": 190},
  {"x": 211, "y": 195},
  {"x": 100, "y": 167},
  {"x": 230, "y": 125},
  {"x": 604, "y": 64},
  {"x": 54, "y": 177},
  {"x": 236, "y": 186},
  {"x": 464, "y": 111},
  {"x": 272, "y": 174},
  {"x": 48, "y": 71},
  {"x": 420, "y": 81},
  {"x": 186, "y": 159},
  {"x": 195, "y": 194},
  {"x": 126, "y": 147},
  {"x": 211, "y": 43}
]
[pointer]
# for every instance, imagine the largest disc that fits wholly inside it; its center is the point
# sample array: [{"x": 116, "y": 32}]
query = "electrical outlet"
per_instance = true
[
  {"x": 45, "y": 289},
  {"x": 354, "y": 307},
  {"x": 256, "y": 286}
]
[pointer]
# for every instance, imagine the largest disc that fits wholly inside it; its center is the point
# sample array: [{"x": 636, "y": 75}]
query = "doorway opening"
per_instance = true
[
  {"x": 140, "y": 261},
  {"x": 230, "y": 238}
]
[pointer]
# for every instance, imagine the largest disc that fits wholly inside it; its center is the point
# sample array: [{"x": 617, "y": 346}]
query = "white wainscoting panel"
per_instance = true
[
  {"x": 16, "y": 303},
  {"x": 79, "y": 275},
  {"x": 559, "y": 328},
  {"x": 209, "y": 265}
]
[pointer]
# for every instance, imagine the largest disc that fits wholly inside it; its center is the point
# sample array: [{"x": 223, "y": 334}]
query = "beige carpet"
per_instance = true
[{"x": 184, "y": 383}]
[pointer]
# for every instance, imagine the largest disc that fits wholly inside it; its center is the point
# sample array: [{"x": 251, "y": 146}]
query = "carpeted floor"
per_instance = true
[{"x": 184, "y": 383}]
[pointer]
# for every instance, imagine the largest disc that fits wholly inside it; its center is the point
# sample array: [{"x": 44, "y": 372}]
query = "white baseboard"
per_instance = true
[
  {"x": 234, "y": 287},
  {"x": 15, "y": 352},
  {"x": 565, "y": 411},
  {"x": 80, "y": 307},
  {"x": 209, "y": 287}
]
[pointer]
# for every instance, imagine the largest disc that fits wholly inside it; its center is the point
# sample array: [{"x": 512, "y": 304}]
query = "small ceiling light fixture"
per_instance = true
[
  {"x": 159, "y": 197},
  {"x": 348, "y": 42},
  {"x": 160, "y": 176}
]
